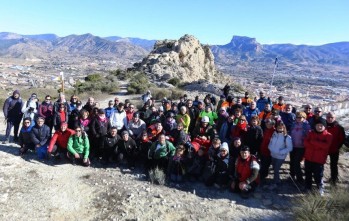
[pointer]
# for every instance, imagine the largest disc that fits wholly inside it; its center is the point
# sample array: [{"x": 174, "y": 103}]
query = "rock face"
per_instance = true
[{"x": 185, "y": 59}]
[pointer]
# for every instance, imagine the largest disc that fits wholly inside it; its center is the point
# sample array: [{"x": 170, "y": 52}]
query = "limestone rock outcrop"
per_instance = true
[{"x": 186, "y": 59}]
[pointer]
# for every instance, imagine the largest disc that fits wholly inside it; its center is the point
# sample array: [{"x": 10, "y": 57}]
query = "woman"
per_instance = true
[
  {"x": 280, "y": 145},
  {"x": 79, "y": 147},
  {"x": 254, "y": 136},
  {"x": 84, "y": 121},
  {"x": 299, "y": 131},
  {"x": 60, "y": 116},
  {"x": 265, "y": 156},
  {"x": 241, "y": 128},
  {"x": 184, "y": 118}
]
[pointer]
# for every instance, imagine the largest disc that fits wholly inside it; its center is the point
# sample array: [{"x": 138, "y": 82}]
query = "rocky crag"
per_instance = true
[{"x": 186, "y": 59}]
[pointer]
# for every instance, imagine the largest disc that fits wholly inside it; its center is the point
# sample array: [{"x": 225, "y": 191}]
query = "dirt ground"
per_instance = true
[{"x": 32, "y": 189}]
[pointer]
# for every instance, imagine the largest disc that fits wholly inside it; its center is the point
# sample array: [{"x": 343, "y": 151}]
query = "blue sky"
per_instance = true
[{"x": 211, "y": 21}]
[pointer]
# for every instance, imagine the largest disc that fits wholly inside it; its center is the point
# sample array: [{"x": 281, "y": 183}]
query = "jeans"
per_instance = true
[
  {"x": 276, "y": 167},
  {"x": 296, "y": 157},
  {"x": 316, "y": 170},
  {"x": 12, "y": 123},
  {"x": 265, "y": 164}
]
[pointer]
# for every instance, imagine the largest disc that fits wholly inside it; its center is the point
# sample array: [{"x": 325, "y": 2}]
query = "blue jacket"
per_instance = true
[
  {"x": 261, "y": 102},
  {"x": 40, "y": 135}
]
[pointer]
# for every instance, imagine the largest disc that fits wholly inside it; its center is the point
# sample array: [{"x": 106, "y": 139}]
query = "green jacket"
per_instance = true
[
  {"x": 211, "y": 115},
  {"x": 158, "y": 151},
  {"x": 79, "y": 145}
]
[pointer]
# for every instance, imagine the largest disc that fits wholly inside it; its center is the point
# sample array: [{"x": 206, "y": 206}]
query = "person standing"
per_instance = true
[
  {"x": 317, "y": 145},
  {"x": 12, "y": 110},
  {"x": 338, "y": 134},
  {"x": 46, "y": 111}
]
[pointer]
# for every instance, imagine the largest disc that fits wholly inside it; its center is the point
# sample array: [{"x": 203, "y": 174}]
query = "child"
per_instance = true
[{"x": 176, "y": 165}]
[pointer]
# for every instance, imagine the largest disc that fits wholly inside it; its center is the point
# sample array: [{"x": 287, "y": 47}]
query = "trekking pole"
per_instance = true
[
  {"x": 272, "y": 77},
  {"x": 294, "y": 182}
]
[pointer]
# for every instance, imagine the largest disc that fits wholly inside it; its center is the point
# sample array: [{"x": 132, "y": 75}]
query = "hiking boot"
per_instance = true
[
  {"x": 321, "y": 191},
  {"x": 6, "y": 141}
]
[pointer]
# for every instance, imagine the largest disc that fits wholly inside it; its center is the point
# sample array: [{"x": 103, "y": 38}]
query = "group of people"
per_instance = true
[{"x": 229, "y": 143}]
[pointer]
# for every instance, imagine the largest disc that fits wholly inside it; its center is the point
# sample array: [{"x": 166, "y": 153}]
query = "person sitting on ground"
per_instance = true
[
  {"x": 24, "y": 140},
  {"x": 79, "y": 148},
  {"x": 203, "y": 133},
  {"x": 280, "y": 145},
  {"x": 127, "y": 150},
  {"x": 246, "y": 176},
  {"x": 59, "y": 141},
  {"x": 160, "y": 152},
  {"x": 155, "y": 130},
  {"x": 40, "y": 134},
  {"x": 220, "y": 176},
  {"x": 110, "y": 145},
  {"x": 176, "y": 167},
  {"x": 317, "y": 145}
]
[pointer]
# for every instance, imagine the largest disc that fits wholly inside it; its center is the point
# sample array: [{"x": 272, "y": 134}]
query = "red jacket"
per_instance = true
[
  {"x": 338, "y": 134},
  {"x": 243, "y": 169},
  {"x": 60, "y": 138},
  {"x": 267, "y": 133},
  {"x": 317, "y": 146}
]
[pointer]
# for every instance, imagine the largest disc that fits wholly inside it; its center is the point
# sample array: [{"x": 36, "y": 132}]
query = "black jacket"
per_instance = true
[{"x": 40, "y": 135}]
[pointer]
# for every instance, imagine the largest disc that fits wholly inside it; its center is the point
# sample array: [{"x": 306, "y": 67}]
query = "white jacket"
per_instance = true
[
  {"x": 280, "y": 145},
  {"x": 118, "y": 119}
]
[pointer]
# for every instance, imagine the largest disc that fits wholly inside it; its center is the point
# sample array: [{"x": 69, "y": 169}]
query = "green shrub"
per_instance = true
[
  {"x": 93, "y": 77},
  {"x": 138, "y": 84},
  {"x": 160, "y": 93},
  {"x": 105, "y": 86},
  {"x": 157, "y": 176},
  {"x": 176, "y": 93},
  {"x": 313, "y": 207},
  {"x": 121, "y": 74},
  {"x": 174, "y": 81}
]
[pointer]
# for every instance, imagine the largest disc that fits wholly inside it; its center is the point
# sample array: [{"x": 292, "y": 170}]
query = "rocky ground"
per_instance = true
[{"x": 32, "y": 189}]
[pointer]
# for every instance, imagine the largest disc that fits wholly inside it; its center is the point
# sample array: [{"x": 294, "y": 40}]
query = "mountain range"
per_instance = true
[{"x": 241, "y": 54}]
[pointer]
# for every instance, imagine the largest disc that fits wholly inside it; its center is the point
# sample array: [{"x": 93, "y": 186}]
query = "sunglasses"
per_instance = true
[
  {"x": 78, "y": 130},
  {"x": 317, "y": 111}
]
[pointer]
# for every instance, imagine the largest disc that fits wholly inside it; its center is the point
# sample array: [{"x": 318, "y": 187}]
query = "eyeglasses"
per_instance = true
[
  {"x": 26, "y": 122},
  {"x": 78, "y": 130},
  {"x": 242, "y": 120},
  {"x": 308, "y": 108}
]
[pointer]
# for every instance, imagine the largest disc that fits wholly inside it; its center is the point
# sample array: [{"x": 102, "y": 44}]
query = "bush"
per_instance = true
[
  {"x": 104, "y": 86},
  {"x": 315, "y": 207},
  {"x": 138, "y": 84},
  {"x": 94, "y": 78},
  {"x": 121, "y": 74},
  {"x": 157, "y": 176},
  {"x": 174, "y": 81},
  {"x": 160, "y": 93}
]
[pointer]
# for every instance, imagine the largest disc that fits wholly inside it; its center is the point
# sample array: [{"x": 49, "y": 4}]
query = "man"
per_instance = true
[
  {"x": 160, "y": 152},
  {"x": 110, "y": 145},
  {"x": 90, "y": 104},
  {"x": 265, "y": 114},
  {"x": 246, "y": 100},
  {"x": 338, "y": 135},
  {"x": 59, "y": 141},
  {"x": 316, "y": 117},
  {"x": 99, "y": 128},
  {"x": 136, "y": 126},
  {"x": 130, "y": 112},
  {"x": 25, "y": 141},
  {"x": 13, "y": 115},
  {"x": 46, "y": 111},
  {"x": 262, "y": 101},
  {"x": 288, "y": 117},
  {"x": 246, "y": 176},
  {"x": 251, "y": 111},
  {"x": 40, "y": 134},
  {"x": 127, "y": 149},
  {"x": 193, "y": 114},
  {"x": 316, "y": 145},
  {"x": 110, "y": 109},
  {"x": 118, "y": 118},
  {"x": 61, "y": 100},
  {"x": 281, "y": 106},
  {"x": 308, "y": 112}
]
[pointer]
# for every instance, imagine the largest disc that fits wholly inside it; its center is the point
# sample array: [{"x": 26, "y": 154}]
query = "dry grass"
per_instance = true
[
  {"x": 157, "y": 176},
  {"x": 313, "y": 207}
]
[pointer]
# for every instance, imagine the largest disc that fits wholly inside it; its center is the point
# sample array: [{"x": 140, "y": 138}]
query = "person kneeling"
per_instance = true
[
  {"x": 245, "y": 178},
  {"x": 79, "y": 148}
]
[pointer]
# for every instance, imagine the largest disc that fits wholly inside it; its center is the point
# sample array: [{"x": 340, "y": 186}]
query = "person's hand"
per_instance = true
[
  {"x": 77, "y": 156},
  {"x": 37, "y": 145},
  {"x": 243, "y": 185},
  {"x": 204, "y": 137}
]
